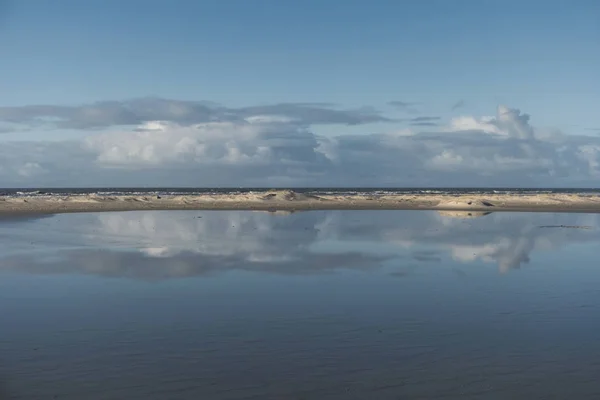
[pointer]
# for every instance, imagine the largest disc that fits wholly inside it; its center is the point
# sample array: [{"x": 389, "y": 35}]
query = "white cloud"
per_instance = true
[
  {"x": 590, "y": 154},
  {"x": 214, "y": 143},
  {"x": 467, "y": 123},
  {"x": 403, "y": 132},
  {"x": 447, "y": 159},
  {"x": 139, "y": 111},
  {"x": 514, "y": 123},
  {"x": 29, "y": 169},
  {"x": 262, "y": 146}
]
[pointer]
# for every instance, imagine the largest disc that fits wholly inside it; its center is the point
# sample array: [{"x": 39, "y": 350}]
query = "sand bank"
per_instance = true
[{"x": 287, "y": 200}]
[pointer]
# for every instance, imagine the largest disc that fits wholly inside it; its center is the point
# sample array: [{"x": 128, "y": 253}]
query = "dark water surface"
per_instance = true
[{"x": 315, "y": 305}]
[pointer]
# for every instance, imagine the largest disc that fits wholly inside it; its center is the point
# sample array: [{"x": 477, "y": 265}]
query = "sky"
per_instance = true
[{"x": 299, "y": 93}]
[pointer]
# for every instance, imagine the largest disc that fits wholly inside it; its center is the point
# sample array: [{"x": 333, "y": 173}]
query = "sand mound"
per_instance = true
[
  {"x": 287, "y": 195},
  {"x": 463, "y": 214},
  {"x": 464, "y": 204}
]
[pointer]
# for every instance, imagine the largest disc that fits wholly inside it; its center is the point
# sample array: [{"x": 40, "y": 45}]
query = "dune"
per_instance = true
[{"x": 289, "y": 200}]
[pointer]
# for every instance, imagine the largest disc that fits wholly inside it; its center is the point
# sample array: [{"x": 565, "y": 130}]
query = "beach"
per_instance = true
[{"x": 288, "y": 200}]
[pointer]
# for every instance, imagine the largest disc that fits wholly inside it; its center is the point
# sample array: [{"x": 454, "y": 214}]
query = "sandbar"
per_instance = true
[{"x": 288, "y": 200}]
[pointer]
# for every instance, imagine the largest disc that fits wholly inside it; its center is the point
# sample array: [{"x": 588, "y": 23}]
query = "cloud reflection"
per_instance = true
[
  {"x": 137, "y": 265},
  {"x": 173, "y": 244},
  {"x": 505, "y": 239}
]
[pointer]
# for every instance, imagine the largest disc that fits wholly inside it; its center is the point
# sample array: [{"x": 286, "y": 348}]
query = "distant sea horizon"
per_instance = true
[{"x": 124, "y": 191}]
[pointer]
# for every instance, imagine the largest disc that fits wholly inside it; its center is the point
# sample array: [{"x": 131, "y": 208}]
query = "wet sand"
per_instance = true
[{"x": 287, "y": 200}]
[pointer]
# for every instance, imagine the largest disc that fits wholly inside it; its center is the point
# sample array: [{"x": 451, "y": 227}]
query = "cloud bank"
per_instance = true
[{"x": 159, "y": 142}]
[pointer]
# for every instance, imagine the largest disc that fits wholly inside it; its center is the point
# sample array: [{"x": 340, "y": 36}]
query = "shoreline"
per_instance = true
[{"x": 287, "y": 200}]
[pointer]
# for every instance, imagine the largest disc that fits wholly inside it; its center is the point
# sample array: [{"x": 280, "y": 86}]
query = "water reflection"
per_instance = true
[
  {"x": 328, "y": 305},
  {"x": 161, "y": 245}
]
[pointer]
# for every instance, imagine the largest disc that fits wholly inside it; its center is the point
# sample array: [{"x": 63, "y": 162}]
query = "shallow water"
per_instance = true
[{"x": 315, "y": 305}]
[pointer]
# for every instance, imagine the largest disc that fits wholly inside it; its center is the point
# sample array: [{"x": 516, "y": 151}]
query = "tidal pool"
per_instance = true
[{"x": 311, "y": 305}]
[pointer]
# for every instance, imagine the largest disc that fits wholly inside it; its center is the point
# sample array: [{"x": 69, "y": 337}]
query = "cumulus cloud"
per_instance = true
[
  {"x": 513, "y": 122},
  {"x": 253, "y": 143},
  {"x": 474, "y": 124},
  {"x": 178, "y": 143}
]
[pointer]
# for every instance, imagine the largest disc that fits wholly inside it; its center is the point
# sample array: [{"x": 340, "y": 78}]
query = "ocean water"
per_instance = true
[
  {"x": 29, "y": 192},
  {"x": 310, "y": 305}
]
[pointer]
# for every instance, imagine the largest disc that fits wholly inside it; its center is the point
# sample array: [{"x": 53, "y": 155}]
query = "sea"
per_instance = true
[
  {"x": 33, "y": 192},
  {"x": 334, "y": 305}
]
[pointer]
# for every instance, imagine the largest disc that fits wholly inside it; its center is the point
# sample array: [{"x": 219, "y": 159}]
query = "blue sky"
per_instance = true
[
  {"x": 541, "y": 57},
  {"x": 537, "y": 55}
]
